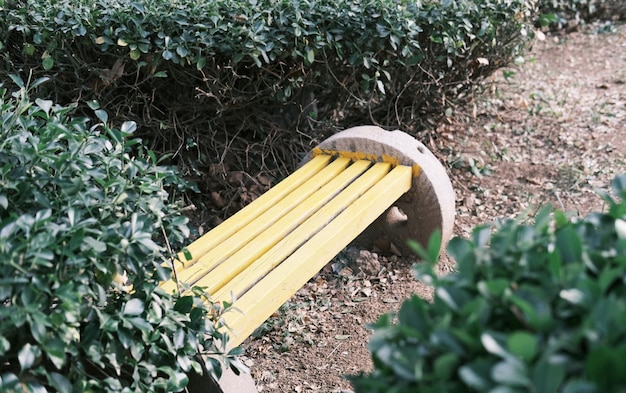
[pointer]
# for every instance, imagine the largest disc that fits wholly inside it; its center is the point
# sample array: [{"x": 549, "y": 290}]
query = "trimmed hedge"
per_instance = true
[
  {"x": 535, "y": 307},
  {"x": 82, "y": 243},
  {"x": 201, "y": 74},
  {"x": 559, "y": 13}
]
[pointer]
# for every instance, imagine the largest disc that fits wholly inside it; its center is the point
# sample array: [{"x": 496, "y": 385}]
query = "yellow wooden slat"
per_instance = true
[
  {"x": 229, "y": 245},
  {"x": 296, "y": 237},
  {"x": 257, "y": 246},
  {"x": 280, "y": 284},
  {"x": 237, "y": 221}
]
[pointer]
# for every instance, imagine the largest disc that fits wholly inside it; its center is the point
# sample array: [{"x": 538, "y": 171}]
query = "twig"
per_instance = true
[
  {"x": 334, "y": 350},
  {"x": 171, "y": 252}
]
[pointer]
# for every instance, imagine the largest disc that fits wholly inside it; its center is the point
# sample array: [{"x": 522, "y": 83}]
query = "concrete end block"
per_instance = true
[{"x": 428, "y": 206}]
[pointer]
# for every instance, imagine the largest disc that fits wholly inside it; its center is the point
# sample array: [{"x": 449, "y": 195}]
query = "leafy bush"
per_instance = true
[
  {"x": 532, "y": 308},
  {"x": 558, "y": 13},
  {"x": 232, "y": 73},
  {"x": 81, "y": 260}
]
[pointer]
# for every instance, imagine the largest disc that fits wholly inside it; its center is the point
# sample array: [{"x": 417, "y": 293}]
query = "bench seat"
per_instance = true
[{"x": 264, "y": 253}]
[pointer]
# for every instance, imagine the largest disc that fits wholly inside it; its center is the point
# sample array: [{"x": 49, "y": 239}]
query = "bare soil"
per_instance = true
[{"x": 550, "y": 130}]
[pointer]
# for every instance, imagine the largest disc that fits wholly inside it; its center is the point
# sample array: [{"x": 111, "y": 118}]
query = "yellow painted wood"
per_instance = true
[
  {"x": 238, "y": 220},
  {"x": 243, "y": 229},
  {"x": 293, "y": 239},
  {"x": 266, "y": 296},
  {"x": 264, "y": 241},
  {"x": 358, "y": 155}
]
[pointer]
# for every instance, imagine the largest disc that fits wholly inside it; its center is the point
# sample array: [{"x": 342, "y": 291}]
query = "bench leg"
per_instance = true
[{"x": 228, "y": 383}]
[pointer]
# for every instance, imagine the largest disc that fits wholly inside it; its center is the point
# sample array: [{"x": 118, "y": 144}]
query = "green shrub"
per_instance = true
[
  {"x": 557, "y": 13},
  {"x": 211, "y": 72},
  {"x": 532, "y": 308},
  {"x": 81, "y": 223}
]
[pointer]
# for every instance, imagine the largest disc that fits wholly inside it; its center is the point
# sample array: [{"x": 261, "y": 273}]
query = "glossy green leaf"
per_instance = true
[
  {"x": 8, "y": 381},
  {"x": 619, "y": 184},
  {"x": 522, "y": 345},
  {"x": 310, "y": 56},
  {"x": 569, "y": 244},
  {"x": 187, "y": 254},
  {"x": 29, "y": 49},
  {"x": 5, "y": 345},
  {"x": 201, "y": 63},
  {"x": 580, "y": 386},
  {"x": 477, "y": 374},
  {"x": 492, "y": 344},
  {"x": 128, "y": 127},
  {"x": 133, "y": 307},
  {"x": 60, "y": 383},
  {"x": 445, "y": 366},
  {"x": 184, "y": 304},
  {"x": 142, "y": 325},
  {"x": 493, "y": 288},
  {"x": 102, "y": 115},
  {"x": 548, "y": 376},
  {"x": 510, "y": 372},
  {"x": 135, "y": 54},
  {"x": 27, "y": 355},
  {"x": 603, "y": 365},
  {"x": 47, "y": 61}
]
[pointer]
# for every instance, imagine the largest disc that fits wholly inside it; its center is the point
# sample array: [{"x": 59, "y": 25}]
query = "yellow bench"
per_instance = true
[{"x": 264, "y": 253}]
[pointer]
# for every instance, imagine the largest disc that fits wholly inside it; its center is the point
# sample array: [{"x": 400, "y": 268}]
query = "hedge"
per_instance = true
[
  {"x": 533, "y": 307},
  {"x": 561, "y": 13},
  {"x": 83, "y": 229},
  {"x": 206, "y": 75}
]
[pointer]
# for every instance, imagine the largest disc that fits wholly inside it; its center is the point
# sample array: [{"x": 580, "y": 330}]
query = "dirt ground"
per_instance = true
[{"x": 550, "y": 130}]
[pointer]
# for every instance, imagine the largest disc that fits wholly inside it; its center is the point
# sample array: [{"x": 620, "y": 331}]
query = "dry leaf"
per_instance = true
[
  {"x": 235, "y": 178},
  {"x": 217, "y": 199},
  {"x": 264, "y": 180},
  {"x": 115, "y": 73},
  {"x": 534, "y": 181}
]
